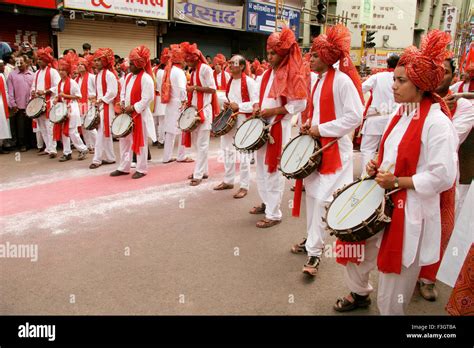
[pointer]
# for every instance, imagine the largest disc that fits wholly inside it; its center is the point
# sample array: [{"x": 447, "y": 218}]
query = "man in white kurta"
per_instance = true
[
  {"x": 237, "y": 66},
  {"x": 104, "y": 149},
  {"x": 39, "y": 88},
  {"x": 382, "y": 105},
  {"x": 139, "y": 66},
  {"x": 159, "y": 109},
  {"x": 90, "y": 136},
  {"x": 4, "y": 124}
]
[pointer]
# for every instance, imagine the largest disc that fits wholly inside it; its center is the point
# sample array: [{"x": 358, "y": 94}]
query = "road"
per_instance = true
[{"x": 154, "y": 246}]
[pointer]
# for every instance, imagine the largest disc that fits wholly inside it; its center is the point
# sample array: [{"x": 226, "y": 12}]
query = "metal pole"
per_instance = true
[
  {"x": 362, "y": 44},
  {"x": 276, "y": 15}
]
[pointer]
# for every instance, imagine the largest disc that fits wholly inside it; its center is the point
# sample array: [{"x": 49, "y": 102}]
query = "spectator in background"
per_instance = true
[
  {"x": 2, "y": 67},
  {"x": 86, "y": 49},
  {"x": 4, "y": 49},
  {"x": 69, "y": 50},
  {"x": 209, "y": 60},
  {"x": 19, "y": 86},
  {"x": 9, "y": 64}
]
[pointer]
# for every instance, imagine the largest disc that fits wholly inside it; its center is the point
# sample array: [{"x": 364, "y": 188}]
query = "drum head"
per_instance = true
[
  {"x": 248, "y": 133},
  {"x": 90, "y": 116},
  {"x": 121, "y": 124},
  {"x": 361, "y": 207},
  {"x": 221, "y": 120},
  {"x": 297, "y": 153},
  {"x": 187, "y": 118},
  {"x": 58, "y": 112},
  {"x": 34, "y": 106}
]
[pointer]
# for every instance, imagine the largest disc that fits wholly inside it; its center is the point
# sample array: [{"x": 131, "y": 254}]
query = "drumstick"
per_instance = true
[
  {"x": 361, "y": 200},
  {"x": 357, "y": 188},
  {"x": 247, "y": 134}
]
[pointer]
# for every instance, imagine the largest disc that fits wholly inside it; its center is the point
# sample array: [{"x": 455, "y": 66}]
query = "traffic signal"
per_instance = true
[
  {"x": 369, "y": 38},
  {"x": 322, "y": 10}
]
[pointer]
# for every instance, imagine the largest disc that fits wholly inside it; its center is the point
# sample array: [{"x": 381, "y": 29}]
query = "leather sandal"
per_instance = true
[
  {"x": 186, "y": 160},
  {"x": 343, "y": 304},
  {"x": 299, "y": 248},
  {"x": 94, "y": 165},
  {"x": 195, "y": 182},
  {"x": 205, "y": 176},
  {"x": 171, "y": 160},
  {"x": 266, "y": 223},
  {"x": 223, "y": 186},
  {"x": 241, "y": 193},
  {"x": 258, "y": 210}
]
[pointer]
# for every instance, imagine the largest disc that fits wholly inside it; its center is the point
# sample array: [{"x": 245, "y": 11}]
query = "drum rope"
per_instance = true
[{"x": 362, "y": 199}]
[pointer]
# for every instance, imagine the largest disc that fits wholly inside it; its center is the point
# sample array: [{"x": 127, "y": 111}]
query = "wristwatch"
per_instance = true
[{"x": 396, "y": 183}]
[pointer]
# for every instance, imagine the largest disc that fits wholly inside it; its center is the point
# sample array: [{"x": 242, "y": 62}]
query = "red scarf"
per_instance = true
[
  {"x": 244, "y": 91},
  {"x": 63, "y": 127},
  {"x": 3, "y": 91},
  {"x": 273, "y": 153},
  {"x": 331, "y": 158},
  {"x": 186, "y": 136},
  {"x": 165, "y": 92},
  {"x": 223, "y": 84},
  {"x": 84, "y": 92},
  {"x": 47, "y": 86},
  {"x": 136, "y": 96},
  {"x": 106, "y": 106},
  {"x": 471, "y": 86}
]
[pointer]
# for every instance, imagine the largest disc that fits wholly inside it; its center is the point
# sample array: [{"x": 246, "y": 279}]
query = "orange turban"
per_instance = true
[
  {"x": 164, "y": 55},
  {"x": 46, "y": 55},
  {"x": 191, "y": 53},
  {"x": 106, "y": 55},
  {"x": 289, "y": 76},
  {"x": 334, "y": 46},
  {"x": 69, "y": 62},
  {"x": 87, "y": 63},
  {"x": 176, "y": 54},
  {"x": 219, "y": 59},
  {"x": 257, "y": 67},
  {"x": 140, "y": 57}
]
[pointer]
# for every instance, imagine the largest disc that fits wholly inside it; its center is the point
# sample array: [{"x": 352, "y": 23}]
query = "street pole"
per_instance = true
[
  {"x": 276, "y": 15},
  {"x": 362, "y": 48}
]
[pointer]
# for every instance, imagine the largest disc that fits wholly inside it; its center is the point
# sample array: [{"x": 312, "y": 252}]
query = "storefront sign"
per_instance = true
[
  {"x": 155, "y": 9},
  {"x": 261, "y": 18},
  {"x": 450, "y": 21},
  {"x": 208, "y": 13}
]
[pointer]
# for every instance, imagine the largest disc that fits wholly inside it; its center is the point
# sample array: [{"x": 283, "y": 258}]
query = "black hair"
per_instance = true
[
  {"x": 67, "y": 51},
  {"x": 86, "y": 46},
  {"x": 7, "y": 57},
  {"x": 392, "y": 61},
  {"x": 452, "y": 65}
]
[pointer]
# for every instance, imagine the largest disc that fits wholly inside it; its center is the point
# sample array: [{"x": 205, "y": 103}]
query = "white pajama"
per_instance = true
[
  {"x": 90, "y": 136},
  {"x": 159, "y": 127},
  {"x": 104, "y": 146},
  {"x": 200, "y": 138},
  {"x": 126, "y": 153},
  {"x": 75, "y": 138},
  {"x": 159, "y": 111},
  {"x": 39, "y": 139},
  {"x": 170, "y": 140}
]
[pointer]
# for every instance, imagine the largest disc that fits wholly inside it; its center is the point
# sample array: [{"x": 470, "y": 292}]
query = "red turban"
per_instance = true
[
  {"x": 46, "y": 55},
  {"x": 164, "y": 57},
  {"x": 106, "y": 55},
  {"x": 191, "y": 53},
  {"x": 86, "y": 62},
  {"x": 289, "y": 76},
  {"x": 257, "y": 67},
  {"x": 334, "y": 46},
  {"x": 176, "y": 54},
  {"x": 125, "y": 65},
  {"x": 219, "y": 59},
  {"x": 69, "y": 62},
  {"x": 140, "y": 57}
]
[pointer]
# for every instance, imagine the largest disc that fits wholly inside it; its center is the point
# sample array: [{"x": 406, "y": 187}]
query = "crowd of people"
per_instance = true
[{"x": 410, "y": 131}]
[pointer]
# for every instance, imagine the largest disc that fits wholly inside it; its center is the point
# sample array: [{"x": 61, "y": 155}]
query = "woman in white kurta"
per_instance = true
[{"x": 424, "y": 132}]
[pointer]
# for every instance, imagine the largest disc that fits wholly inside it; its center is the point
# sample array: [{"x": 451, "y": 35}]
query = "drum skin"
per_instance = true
[
  {"x": 374, "y": 221},
  {"x": 58, "y": 113},
  {"x": 189, "y": 119},
  {"x": 252, "y": 132},
  {"x": 92, "y": 118},
  {"x": 300, "y": 148},
  {"x": 122, "y": 126},
  {"x": 223, "y": 123},
  {"x": 36, "y": 107}
]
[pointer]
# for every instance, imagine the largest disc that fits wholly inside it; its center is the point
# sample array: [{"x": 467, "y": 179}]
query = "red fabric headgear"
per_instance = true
[
  {"x": 125, "y": 65},
  {"x": 191, "y": 53},
  {"x": 106, "y": 55},
  {"x": 46, "y": 55},
  {"x": 289, "y": 78},
  {"x": 334, "y": 46},
  {"x": 87, "y": 63},
  {"x": 176, "y": 54},
  {"x": 69, "y": 62},
  {"x": 219, "y": 59},
  {"x": 257, "y": 67},
  {"x": 165, "y": 56},
  {"x": 140, "y": 57}
]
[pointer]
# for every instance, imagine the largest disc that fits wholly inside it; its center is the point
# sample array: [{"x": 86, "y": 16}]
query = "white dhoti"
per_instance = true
[
  {"x": 126, "y": 153},
  {"x": 104, "y": 146},
  {"x": 46, "y": 131},
  {"x": 200, "y": 138}
]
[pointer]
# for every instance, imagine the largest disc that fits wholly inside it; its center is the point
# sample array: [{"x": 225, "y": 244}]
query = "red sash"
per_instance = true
[
  {"x": 83, "y": 105},
  {"x": 3, "y": 91},
  {"x": 63, "y": 128},
  {"x": 136, "y": 96},
  {"x": 106, "y": 106},
  {"x": 166, "y": 83},
  {"x": 471, "y": 86},
  {"x": 223, "y": 85},
  {"x": 47, "y": 86},
  {"x": 244, "y": 91},
  {"x": 273, "y": 153}
]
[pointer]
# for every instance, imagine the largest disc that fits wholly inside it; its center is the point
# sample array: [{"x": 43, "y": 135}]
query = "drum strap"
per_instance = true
[
  {"x": 471, "y": 86},
  {"x": 273, "y": 153},
  {"x": 136, "y": 96},
  {"x": 3, "y": 91},
  {"x": 63, "y": 128}
]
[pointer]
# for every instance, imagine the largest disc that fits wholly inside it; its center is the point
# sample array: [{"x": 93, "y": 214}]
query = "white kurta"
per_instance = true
[
  {"x": 177, "y": 96},
  {"x": 383, "y": 102},
  {"x": 73, "y": 105},
  {"x": 90, "y": 90},
  {"x": 159, "y": 107},
  {"x": 463, "y": 118},
  {"x": 207, "y": 80},
  {"x": 436, "y": 172},
  {"x": 4, "y": 124},
  {"x": 219, "y": 77}
]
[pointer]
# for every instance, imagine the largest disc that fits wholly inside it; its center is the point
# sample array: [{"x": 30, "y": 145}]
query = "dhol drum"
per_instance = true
[
  {"x": 251, "y": 135},
  {"x": 300, "y": 157},
  {"x": 221, "y": 98},
  {"x": 189, "y": 119},
  {"x": 223, "y": 123},
  {"x": 122, "y": 125},
  {"x": 58, "y": 113},
  {"x": 92, "y": 118},
  {"x": 36, "y": 107},
  {"x": 359, "y": 211}
]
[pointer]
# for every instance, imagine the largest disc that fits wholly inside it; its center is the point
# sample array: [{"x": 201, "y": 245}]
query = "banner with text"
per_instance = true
[{"x": 261, "y": 18}]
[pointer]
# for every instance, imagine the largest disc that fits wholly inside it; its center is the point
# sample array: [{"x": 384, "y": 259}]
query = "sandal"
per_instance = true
[
  {"x": 258, "y": 210},
  {"x": 223, "y": 186},
  {"x": 241, "y": 193},
  {"x": 299, "y": 248},
  {"x": 343, "y": 304},
  {"x": 195, "y": 182},
  {"x": 171, "y": 160},
  {"x": 186, "y": 160},
  {"x": 205, "y": 176},
  {"x": 266, "y": 223},
  {"x": 94, "y": 165}
]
